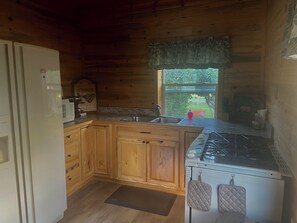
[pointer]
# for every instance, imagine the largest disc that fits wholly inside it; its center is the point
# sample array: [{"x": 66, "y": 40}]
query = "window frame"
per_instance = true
[{"x": 160, "y": 95}]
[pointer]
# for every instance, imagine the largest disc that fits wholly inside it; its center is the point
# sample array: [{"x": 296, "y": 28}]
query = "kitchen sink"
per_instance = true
[
  {"x": 138, "y": 119},
  {"x": 168, "y": 120}
]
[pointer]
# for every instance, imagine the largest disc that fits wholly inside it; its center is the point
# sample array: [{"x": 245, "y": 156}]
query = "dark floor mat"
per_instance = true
[{"x": 142, "y": 199}]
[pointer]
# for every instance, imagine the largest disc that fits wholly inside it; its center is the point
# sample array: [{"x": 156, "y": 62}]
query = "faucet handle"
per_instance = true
[{"x": 134, "y": 116}]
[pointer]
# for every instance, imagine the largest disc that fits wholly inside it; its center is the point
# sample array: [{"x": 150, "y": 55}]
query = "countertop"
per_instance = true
[
  {"x": 216, "y": 125},
  {"x": 208, "y": 125}
]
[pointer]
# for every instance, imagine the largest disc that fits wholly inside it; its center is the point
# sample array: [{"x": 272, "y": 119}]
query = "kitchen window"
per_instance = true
[{"x": 181, "y": 90}]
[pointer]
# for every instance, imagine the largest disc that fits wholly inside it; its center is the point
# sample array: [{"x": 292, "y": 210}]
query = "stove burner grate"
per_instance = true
[{"x": 235, "y": 149}]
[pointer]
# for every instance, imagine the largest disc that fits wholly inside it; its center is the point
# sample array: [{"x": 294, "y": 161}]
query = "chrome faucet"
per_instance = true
[
  {"x": 135, "y": 116},
  {"x": 158, "y": 110}
]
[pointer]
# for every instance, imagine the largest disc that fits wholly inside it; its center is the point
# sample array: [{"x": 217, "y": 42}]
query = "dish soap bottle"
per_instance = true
[{"x": 190, "y": 115}]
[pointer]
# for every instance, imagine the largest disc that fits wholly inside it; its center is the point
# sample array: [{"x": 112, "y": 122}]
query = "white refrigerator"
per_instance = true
[{"x": 32, "y": 169}]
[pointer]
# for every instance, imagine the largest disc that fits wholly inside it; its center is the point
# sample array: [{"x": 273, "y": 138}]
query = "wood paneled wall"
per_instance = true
[
  {"x": 115, "y": 44},
  {"x": 27, "y": 23},
  {"x": 281, "y": 88}
]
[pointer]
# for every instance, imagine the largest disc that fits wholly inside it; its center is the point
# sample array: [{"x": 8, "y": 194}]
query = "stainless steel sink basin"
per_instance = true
[
  {"x": 168, "y": 120},
  {"x": 138, "y": 119}
]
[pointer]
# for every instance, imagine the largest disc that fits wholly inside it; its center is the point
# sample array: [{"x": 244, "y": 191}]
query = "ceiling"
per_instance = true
[
  {"x": 74, "y": 10},
  {"x": 62, "y": 8}
]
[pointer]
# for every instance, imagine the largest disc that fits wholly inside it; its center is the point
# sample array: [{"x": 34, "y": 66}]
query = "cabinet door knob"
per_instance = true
[
  {"x": 69, "y": 178},
  {"x": 69, "y": 155},
  {"x": 147, "y": 142},
  {"x": 160, "y": 141},
  {"x": 143, "y": 141},
  {"x": 68, "y": 137}
]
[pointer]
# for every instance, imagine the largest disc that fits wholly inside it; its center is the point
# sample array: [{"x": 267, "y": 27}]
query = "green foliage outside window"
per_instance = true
[
  {"x": 180, "y": 99},
  {"x": 190, "y": 76}
]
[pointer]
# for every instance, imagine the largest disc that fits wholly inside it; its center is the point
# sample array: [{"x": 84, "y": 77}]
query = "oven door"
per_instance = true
[{"x": 264, "y": 196}]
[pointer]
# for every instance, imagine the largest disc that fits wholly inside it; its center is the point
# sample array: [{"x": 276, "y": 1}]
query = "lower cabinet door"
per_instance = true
[
  {"x": 87, "y": 135},
  {"x": 102, "y": 150},
  {"x": 131, "y": 155},
  {"x": 162, "y": 163}
]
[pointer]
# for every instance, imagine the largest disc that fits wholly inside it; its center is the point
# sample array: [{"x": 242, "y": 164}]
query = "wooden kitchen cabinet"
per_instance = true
[
  {"x": 187, "y": 137},
  {"x": 162, "y": 163},
  {"x": 131, "y": 155},
  {"x": 148, "y": 155},
  {"x": 72, "y": 160},
  {"x": 102, "y": 162},
  {"x": 87, "y": 135},
  {"x": 151, "y": 156},
  {"x": 87, "y": 152}
]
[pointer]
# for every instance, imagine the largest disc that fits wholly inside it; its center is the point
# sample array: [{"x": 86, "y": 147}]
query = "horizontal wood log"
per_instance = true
[
  {"x": 113, "y": 41},
  {"x": 280, "y": 89},
  {"x": 38, "y": 26}
]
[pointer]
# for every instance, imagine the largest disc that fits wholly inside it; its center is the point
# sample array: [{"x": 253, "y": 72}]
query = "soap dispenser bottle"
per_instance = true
[{"x": 190, "y": 115}]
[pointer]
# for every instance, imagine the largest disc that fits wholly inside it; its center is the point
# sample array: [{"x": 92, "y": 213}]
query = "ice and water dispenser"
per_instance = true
[
  {"x": 3, "y": 149},
  {"x": 4, "y": 140}
]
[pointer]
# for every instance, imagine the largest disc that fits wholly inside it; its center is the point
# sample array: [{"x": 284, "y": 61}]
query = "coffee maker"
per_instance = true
[{"x": 77, "y": 109}]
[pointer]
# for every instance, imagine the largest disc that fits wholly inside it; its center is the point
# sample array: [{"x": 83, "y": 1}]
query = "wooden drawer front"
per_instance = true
[
  {"x": 71, "y": 136},
  {"x": 72, "y": 179},
  {"x": 71, "y": 151},
  {"x": 71, "y": 166},
  {"x": 148, "y": 133}
]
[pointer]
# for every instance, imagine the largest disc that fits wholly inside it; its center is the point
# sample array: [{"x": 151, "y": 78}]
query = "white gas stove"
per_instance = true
[{"x": 218, "y": 158}]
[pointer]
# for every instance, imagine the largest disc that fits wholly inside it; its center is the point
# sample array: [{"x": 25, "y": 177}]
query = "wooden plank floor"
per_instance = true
[{"x": 87, "y": 206}]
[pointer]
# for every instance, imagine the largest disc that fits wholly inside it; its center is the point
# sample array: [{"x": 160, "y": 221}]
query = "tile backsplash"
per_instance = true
[{"x": 128, "y": 111}]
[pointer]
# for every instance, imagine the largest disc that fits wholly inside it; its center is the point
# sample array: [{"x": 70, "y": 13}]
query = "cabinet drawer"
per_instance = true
[
  {"x": 71, "y": 136},
  {"x": 148, "y": 133},
  {"x": 71, "y": 166},
  {"x": 71, "y": 151},
  {"x": 72, "y": 179}
]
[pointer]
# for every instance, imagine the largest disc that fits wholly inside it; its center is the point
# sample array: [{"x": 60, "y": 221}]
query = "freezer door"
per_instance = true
[
  {"x": 39, "y": 89},
  {"x": 9, "y": 200}
]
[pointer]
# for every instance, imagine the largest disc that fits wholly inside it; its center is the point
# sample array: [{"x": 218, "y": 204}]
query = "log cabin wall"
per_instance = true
[
  {"x": 115, "y": 44},
  {"x": 281, "y": 89},
  {"x": 27, "y": 22}
]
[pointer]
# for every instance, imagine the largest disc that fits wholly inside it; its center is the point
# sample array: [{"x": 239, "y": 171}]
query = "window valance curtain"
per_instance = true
[{"x": 197, "y": 54}]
